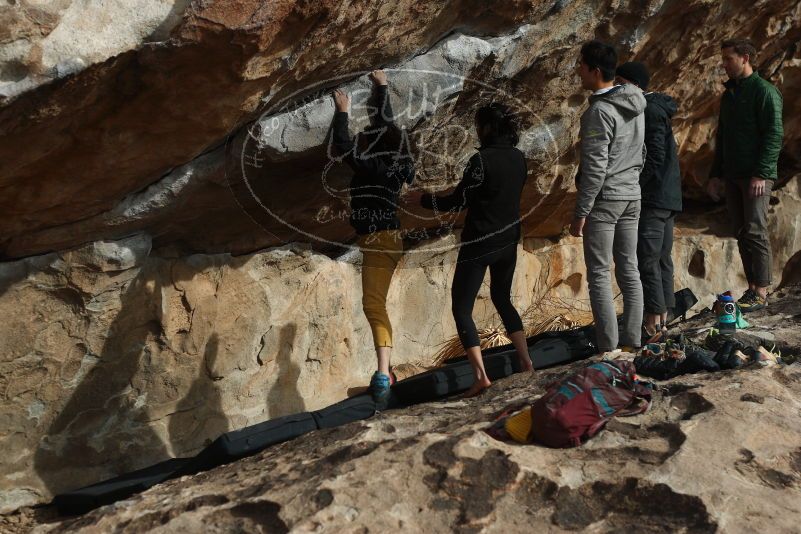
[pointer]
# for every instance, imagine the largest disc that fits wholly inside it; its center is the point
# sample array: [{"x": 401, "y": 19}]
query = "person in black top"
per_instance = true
[
  {"x": 381, "y": 159},
  {"x": 490, "y": 191},
  {"x": 660, "y": 183}
]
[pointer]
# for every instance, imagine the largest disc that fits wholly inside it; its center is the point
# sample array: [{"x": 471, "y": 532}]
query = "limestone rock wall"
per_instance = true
[
  {"x": 151, "y": 303},
  {"x": 161, "y": 109},
  {"x": 46, "y": 41}
]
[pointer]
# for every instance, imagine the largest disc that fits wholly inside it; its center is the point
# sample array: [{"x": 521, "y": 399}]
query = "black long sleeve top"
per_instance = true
[
  {"x": 378, "y": 177},
  {"x": 490, "y": 190}
]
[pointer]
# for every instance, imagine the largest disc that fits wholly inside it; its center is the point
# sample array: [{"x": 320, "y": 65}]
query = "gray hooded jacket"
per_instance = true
[{"x": 612, "y": 148}]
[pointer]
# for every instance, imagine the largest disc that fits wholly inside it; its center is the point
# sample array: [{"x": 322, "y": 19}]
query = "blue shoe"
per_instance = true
[{"x": 380, "y": 389}]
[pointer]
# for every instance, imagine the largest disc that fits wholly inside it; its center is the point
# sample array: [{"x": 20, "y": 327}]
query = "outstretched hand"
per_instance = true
[
  {"x": 379, "y": 77},
  {"x": 341, "y": 100}
]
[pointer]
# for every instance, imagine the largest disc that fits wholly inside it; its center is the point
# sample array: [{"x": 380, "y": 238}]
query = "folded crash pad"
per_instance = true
[
  {"x": 347, "y": 411},
  {"x": 549, "y": 352},
  {"x": 556, "y": 348},
  {"x": 450, "y": 379},
  {"x": 250, "y": 440},
  {"x": 82, "y": 500}
]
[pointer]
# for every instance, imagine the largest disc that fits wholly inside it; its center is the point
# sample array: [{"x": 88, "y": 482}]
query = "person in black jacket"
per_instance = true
[
  {"x": 381, "y": 160},
  {"x": 490, "y": 191},
  {"x": 660, "y": 182}
]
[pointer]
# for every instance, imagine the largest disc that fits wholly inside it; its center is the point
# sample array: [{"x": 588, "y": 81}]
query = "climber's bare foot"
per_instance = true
[
  {"x": 526, "y": 365},
  {"x": 477, "y": 388}
]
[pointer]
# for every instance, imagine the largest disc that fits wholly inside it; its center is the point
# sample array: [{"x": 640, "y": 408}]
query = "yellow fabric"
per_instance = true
[
  {"x": 519, "y": 425},
  {"x": 381, "y": 253}
]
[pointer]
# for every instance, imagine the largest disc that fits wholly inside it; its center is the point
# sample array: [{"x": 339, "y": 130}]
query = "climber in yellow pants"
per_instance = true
[{"x": 382, "y": 160}]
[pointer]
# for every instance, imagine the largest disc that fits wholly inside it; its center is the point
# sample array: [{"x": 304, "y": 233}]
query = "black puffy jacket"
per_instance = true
[{"x": 660, "y": 179}]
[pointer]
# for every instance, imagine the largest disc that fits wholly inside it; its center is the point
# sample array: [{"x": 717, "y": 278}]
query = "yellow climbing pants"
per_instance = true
[{"x": 381, "y": 253}]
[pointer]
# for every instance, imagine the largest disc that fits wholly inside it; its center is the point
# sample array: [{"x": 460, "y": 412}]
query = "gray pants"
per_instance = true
[
  {"x": 611, "y": 232},
  {"x": 654, "y": 249},
  {"x": 749, "y": 218}
]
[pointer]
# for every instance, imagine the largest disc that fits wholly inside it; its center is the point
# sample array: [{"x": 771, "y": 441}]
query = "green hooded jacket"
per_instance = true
[{"x": 750, "y": 131}]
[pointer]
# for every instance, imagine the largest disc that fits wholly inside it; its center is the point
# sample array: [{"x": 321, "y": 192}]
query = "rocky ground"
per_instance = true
[{"x": 716, "y": 452}]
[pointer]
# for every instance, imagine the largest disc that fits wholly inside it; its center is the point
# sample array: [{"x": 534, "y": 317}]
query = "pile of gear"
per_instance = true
[
  {"x": 720, "y": 350},
  {"x": 678, "y": 356}
]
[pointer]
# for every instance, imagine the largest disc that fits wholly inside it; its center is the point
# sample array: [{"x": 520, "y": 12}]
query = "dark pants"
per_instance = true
[
  {"x": 654, "y": 249},
  {"x": 467, "y": 279},
  {"x": 749, "y": 218}
]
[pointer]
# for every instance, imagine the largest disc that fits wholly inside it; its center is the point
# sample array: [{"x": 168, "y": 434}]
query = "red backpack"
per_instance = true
[{"x": 577, "y": 407}]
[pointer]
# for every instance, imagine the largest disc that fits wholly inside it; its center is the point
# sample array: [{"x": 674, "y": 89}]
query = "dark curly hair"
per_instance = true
[{"x": 496, "y": 123}]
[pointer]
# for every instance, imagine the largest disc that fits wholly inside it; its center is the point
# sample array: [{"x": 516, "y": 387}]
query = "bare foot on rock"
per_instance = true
[
  {"x": 477, "y": 388},
  {"x": 526, "y": 365}
]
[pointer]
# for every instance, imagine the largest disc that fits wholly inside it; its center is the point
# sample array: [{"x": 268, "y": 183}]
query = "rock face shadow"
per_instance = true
[
  {"x": 690, "y": 404},
  {"x": 770, "y": 477},
  {"x": 93, "y": 436},
  {"x": 284, "y": 397},
  {"x": 163, "y": 30},
  {"x": 117, "y": 416},
  {"x": 199, "y": 416},
  {"x": 658, "y": 436}
]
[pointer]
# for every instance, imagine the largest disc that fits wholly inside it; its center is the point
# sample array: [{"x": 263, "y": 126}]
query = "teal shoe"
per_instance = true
[{"x": 380, "y": 389}]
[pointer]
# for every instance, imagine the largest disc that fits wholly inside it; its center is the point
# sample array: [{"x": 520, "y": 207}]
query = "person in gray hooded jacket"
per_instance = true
[{"x": 607, "y": 209}]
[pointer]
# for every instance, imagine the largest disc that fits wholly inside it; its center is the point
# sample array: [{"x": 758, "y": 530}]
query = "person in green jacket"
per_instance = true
[{"x": 747, "y": 146}]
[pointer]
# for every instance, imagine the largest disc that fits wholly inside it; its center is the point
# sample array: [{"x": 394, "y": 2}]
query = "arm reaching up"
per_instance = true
[{"x": 343, "y": 144}]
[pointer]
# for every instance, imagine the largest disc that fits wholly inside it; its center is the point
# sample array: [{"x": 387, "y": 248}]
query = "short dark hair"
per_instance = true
[
  {"x": 742, "y": 47},
  {"x": 601, "y": 56},
  {"x": 500, "y": 122}
]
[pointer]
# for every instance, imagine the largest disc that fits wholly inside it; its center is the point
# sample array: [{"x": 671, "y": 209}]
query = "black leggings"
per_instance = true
[{"x": 470, "y": 269}]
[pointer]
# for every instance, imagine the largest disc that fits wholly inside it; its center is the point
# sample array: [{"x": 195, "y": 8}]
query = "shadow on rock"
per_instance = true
[
  {"x": 284, "y": 397},
  {"x": 103, "y": 428},
  {"x": 199, "y": 417}
]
